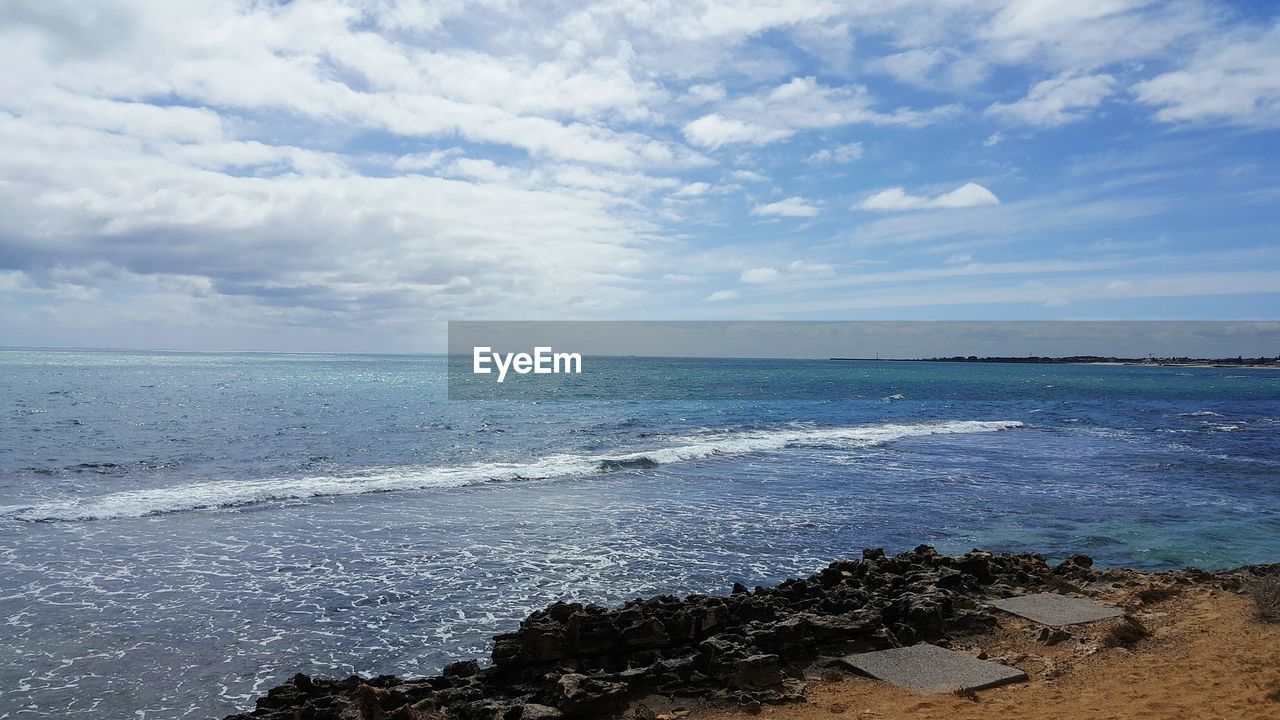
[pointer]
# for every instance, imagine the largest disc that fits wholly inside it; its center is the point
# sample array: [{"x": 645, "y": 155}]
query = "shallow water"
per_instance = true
[{"x": 181, "y": 531}]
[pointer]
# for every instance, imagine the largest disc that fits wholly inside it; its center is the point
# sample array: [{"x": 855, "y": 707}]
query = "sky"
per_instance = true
[{"x": 347, "y": 175}]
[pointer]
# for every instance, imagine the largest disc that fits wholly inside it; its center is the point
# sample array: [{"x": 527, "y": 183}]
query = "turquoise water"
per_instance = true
[{"x": 179, "y": 532}]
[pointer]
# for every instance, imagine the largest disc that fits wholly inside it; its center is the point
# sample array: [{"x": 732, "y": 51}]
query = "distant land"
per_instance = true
[{"x": 1235, "y": 362}]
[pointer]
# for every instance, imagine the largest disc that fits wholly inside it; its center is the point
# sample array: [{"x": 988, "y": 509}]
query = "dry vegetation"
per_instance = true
[{"x": 1266, "y": 598}]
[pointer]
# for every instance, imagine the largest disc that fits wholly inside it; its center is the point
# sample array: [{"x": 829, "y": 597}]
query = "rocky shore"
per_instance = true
[{"x": 747, "y": 649}]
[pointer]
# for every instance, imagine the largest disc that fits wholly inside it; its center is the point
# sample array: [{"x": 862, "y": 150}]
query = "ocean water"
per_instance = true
[{"x": 179, "y": 532}]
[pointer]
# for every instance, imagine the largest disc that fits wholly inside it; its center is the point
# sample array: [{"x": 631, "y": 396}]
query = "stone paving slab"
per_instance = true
[
  {"x": 1057, "y": 610},
  {"x": 931, "y": 669}
]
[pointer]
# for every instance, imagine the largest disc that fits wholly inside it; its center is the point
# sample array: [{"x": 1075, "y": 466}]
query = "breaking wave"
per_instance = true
[{"x": 236, "y": 493}]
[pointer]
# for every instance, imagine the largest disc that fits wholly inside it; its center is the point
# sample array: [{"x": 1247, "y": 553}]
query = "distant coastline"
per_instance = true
[{"x": 1235, "y": 362}]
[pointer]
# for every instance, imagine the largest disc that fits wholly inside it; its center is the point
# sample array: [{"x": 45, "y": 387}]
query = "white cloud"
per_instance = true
[
  {"x": 714, "y": 131},
  {"x": 811, "y": 268},
  {"x": 846, "y": 153},
  {"x": 693, "y": 189},
  {"x": 797, "y": 105},
  {"x": 1072, "y": 210},
  {"x": 759, "y": 276},
  {"x": 1081, "y": 35},
  {"x": 353, "y": 163},
  {"x": 1056, "y": 102},
  {"x": 932, "y": 67},
  {"x": 794, "y": 206},
  {"x": 993, "y": 139},
  {"x": 481, "y": 169},
  {"x": 723, "y": 295},
  {"x": 424, "y": 161},
  {"x": 323, "y": 248},
  {"x": 1235, "y": 82},
  {"x": 707, "y": 92},
  {"x": 897, "y": 199}
]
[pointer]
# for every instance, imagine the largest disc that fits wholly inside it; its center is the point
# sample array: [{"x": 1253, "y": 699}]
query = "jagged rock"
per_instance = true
[
  {"x": 462, "y": 668},
  {"x": 758, "y": 671},
  {"x": 581, "y": 696},
  {"x": 645, "y": 635},
  {"x": 584, "y": 661},
  {"x": 532, "y": 711}
]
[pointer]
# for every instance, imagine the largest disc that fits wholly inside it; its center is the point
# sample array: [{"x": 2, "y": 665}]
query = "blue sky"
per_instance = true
[{"x": 348, "y": 174}]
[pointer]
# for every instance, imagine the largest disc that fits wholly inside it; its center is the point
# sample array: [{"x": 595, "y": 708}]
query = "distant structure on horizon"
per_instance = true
[{"x": 1239, "y": 361}]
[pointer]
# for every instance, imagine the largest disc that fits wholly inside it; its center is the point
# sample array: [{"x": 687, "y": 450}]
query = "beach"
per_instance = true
[
  {"x": 1209, "y": 657},
  {"x": 1184, "y": 644}
]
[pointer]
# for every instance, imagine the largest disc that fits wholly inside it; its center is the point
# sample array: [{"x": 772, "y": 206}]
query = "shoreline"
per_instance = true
[
  {"x": 751, "y": 651},
  {"x": 1226, "y": 363},
  {"x": 1208, "y": 657}
]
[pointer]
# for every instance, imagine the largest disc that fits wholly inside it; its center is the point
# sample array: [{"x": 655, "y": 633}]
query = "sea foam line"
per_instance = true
[{"x": 235, "y": 493}]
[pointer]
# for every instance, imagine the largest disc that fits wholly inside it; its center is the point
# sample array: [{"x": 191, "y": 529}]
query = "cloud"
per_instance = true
[
  {"x": 723, "y": 295},
  {"x": 897, "y": 199},
  {"x": 811, "y": 268},
  {"x": 1236, "y": 82},
  {"x": 481, "y": 169},
  {"x": 348, "y": 166},
  {"x": 714, "y": 131},
  {"x": 933, "y": 68},
  {"x": 424, "y": 161},
  {"x": 839, "y": 154},
  {"x": 707, "y": 92},
  {"x": 1073, "y": 211},
  {"x": 1056, "y": 102},
  {"x": 794, "y": 206},
  {"x": 759, "y": 276},
  {"x": 694, "y": 189},
  {"x": 1082, "y": 35},
  {"x": 318, "y": 248},
  {"x": 800, "y": 104}
]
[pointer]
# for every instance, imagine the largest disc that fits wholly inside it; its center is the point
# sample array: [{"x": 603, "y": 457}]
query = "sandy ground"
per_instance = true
[{"x": 1207, "y": 658}]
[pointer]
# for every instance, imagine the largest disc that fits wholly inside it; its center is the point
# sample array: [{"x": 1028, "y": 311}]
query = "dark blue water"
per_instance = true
[{"x": 178, "y": 532}]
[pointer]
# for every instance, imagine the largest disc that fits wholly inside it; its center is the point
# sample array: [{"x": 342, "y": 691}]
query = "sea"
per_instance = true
[{"x": 181, "y": 531}]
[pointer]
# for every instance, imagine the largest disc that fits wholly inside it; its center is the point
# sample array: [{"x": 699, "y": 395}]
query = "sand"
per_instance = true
[{"x": 1207, "y": 657}]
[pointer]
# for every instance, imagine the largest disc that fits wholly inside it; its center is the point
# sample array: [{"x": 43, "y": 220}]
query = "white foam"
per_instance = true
[
  {"x": 233, "y": 493},
  {"x": 1199, "y": 413}
]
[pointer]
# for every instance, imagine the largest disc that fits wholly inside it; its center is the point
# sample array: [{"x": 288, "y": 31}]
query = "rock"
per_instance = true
[
  {"x": 758, "y": 671},
  {"x": 462, "y": 669},
  {"x": 532, "y": 711},
  {"x": 644, "y": 635},
  {"x": 1076, "y": 567},
  {"x": 591, "y": 634},
  {"x": 1053, "y": 636},
  {"x": 580, "y": 696},
  {"x": 583, "y": 661},
  {"x": 363, "y": 704}
]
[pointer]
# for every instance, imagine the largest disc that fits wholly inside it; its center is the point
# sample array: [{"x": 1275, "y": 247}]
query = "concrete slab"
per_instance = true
[
  {"x": 1057, "y": 610},
  {"x": 931, "y": 669}
]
